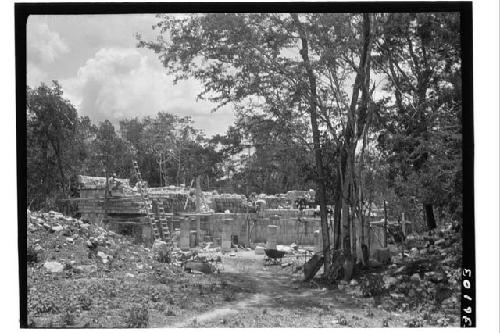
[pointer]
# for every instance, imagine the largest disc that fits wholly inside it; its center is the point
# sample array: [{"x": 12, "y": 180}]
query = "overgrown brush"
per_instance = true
[
  {"x": 137, "y": 317},
  {"x": 32, "y": 255},
  {"x": 42, "y": 304},
  {"x": 372, "y": 285},
  {"x": 68, "y": 317},
  {"x": 85, "y": 302}
]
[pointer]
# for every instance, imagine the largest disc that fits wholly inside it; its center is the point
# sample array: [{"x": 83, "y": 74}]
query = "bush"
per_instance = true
[
  {"x": 137, "y": 317},
  {"x": 85, "y": 302},
  {"x": 32, "y": 255},
  {"x": 372, "y": 286},
  {"x": 164, "y": 256},
  {"x": 68, "y": 317},
  {"x": 155, "y": 296},
  {"x": 42, "y": 304}
]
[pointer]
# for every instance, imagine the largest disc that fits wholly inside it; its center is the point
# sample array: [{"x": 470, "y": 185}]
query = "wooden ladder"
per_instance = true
[
  {"x": 166, "y": 232},
  {"x": 148, "y": 204}
]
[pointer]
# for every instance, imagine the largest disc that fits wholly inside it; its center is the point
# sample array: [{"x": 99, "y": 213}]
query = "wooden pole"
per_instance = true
[
  {"x": 198, "y": 209},
  {"x": 402, "y": 243},
  {"x": 106, "y": 192},
  {"x": 385, "y": 224}
]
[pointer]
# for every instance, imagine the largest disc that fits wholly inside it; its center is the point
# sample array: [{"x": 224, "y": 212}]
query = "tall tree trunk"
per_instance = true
[
  {"x": 346, "y": 192},
  {"x": 353, "y": 132},
  {"x": 316, "y": 143},
  {"x": 337, "y": 214},
  {"x": 429, "y": 216}
]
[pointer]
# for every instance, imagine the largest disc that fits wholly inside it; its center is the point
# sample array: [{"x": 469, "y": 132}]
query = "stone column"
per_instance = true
[
  {"x": 195, "y": 224},
  {"x": 198, "y": 230},
  {"x": 184, "y": 237},
  {"x": 193, "y": 238},
  {"x": 226, "y": 234},
  {"x": 272, "y": 234},
  {"x": 318, "y": 243}
]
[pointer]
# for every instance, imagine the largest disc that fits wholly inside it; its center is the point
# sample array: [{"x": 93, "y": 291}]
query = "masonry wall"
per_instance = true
[{"x": 293, "y": 226}]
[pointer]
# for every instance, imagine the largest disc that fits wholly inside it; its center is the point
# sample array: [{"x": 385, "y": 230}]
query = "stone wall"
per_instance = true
[{"x": 290, "y": 228}]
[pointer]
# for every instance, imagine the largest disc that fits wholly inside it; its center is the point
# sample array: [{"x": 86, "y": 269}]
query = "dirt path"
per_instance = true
[{"x": 274, "y": 296}]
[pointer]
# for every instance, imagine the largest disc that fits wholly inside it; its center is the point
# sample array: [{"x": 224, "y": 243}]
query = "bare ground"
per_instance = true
[{"x": 274, "y": 296}]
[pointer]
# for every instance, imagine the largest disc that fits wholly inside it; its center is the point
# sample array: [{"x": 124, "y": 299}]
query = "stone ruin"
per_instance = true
[
  {"x": 219, "y": 216},
  {"x": 221, "y": 219}
]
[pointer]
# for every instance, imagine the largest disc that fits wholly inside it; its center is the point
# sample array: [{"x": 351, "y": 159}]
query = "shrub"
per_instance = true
[
  {"x": 164, "y": 256},
  {"x": 68, "y": 317},
  {"x": 32, "y": 255},
  {"x": 137, "y": 317},
  {"x": 155, "y": 296},
  {"x": 85, "y": 301},
  {"x": 372, "y": 286},
  {"x": 42, "y": 304}
]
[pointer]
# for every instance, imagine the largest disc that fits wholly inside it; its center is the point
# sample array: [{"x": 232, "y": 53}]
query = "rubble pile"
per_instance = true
[
  {"x": 278, "y": 201},
  {"x": 80, "y": 247},
  {"x": 427, "y": 281},
  {"x": 84, "y": 272},
  {"x": 233, "y": 203}
]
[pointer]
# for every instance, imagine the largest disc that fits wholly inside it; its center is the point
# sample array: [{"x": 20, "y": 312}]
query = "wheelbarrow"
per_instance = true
[{"x": 273, "y": 257}]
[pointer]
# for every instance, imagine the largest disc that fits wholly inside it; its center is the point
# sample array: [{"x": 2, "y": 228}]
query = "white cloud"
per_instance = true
[
  {"x": 43, "y": 45},
  {"x": 118, "y": 83},
  {"x": 35, "y": 75}
]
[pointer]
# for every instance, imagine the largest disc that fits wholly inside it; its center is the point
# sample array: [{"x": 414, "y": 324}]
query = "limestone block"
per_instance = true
[
  {"x": 184, "y": 234},
  {"x": 272, "y": 234}
]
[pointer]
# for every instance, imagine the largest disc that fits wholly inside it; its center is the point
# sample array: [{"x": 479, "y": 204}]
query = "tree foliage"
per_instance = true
[
  {"x": 62, "y": 145},
  {"x": 379, "y": 93}
]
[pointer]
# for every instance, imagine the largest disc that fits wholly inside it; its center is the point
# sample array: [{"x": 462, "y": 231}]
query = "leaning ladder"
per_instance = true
[
  {"x": 148, "y": 205},
  {"x": 165, "y": 230}
]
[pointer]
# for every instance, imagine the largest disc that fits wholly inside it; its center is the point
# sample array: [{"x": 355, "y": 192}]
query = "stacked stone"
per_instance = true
[
  {"x": 184, "y": 235},
  {"x": 226, "y": 235},
  {"x": 272, "y": 234},
  {"x": 318, "y": 241}
]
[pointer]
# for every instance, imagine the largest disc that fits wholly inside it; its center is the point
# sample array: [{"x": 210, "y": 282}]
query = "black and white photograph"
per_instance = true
[{"x": 308, "y": 166}]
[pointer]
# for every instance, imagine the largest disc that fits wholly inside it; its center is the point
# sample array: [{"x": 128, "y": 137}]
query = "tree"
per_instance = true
[
  {"x": 320, "y": 67},
  {"x": 53, "y": 150},
  {"x": 243, "y": 61},
  {"x": 420, "y": 55},
  {"x": 170, "y": 150},
  {"x": 114, "y": 154}
]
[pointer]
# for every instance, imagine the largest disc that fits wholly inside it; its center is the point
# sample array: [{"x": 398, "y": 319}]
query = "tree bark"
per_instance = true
[
  {"x": 352, "y": 134},
  {"x": 337, "y": 215},
  {"x": 316, "y": 143}
]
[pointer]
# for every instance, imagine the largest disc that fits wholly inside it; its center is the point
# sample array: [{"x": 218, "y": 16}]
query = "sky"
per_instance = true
[{"x": 104, "y": 74}]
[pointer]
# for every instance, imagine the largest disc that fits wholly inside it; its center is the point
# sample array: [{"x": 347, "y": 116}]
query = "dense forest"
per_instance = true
[{"x": 364, "y": 108}]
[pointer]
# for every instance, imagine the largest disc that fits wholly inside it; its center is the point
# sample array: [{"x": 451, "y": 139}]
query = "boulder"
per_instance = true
[
  {"x": 259, "y": 250},
  {"x": 57, "y": 228},
  {"x": 439, "y": 242},
  {"x": 389, "y": 281},
  {"x": 159, "y": 245},
  {"x": 53, "y": 266},
  {"x": 284, "y": 248}
]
